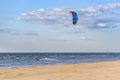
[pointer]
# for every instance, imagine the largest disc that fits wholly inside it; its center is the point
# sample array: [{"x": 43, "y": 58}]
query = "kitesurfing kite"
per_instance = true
[{"x": 75, "y": 17}]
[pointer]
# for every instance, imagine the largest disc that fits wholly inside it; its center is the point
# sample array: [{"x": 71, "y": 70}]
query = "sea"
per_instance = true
[{"x": 11, "y": 60}]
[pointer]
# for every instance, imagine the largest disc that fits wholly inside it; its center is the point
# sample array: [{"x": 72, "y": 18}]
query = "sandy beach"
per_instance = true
[{"x": 83, "y": 71}]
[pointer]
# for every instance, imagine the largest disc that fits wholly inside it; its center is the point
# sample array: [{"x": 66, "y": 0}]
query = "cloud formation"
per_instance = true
[
  {"x": 8, "y": 31},
  {"x": 26, "y": 33},
  {"x": 94, "y": 17},
  {"x": 16, "y": 32}
]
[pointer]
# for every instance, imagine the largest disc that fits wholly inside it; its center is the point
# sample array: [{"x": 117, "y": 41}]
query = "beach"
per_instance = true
[{"x": 84, "y": 71}]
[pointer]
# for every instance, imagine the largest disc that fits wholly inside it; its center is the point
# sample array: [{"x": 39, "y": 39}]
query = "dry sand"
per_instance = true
[{"x": 83, "y": 71}]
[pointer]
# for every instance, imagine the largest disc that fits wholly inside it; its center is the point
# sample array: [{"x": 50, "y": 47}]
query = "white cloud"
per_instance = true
[
  {"x": 97, "y": 17},
  {"x": 101, "y": 25},
  {"x": 83, "y": 38}
]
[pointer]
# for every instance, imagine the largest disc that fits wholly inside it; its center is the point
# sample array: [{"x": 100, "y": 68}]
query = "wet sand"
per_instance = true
[{"x": 83, "y": 71}]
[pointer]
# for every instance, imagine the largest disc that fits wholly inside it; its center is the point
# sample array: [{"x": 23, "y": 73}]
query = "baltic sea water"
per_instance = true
[{"x": 8, "y": 60}]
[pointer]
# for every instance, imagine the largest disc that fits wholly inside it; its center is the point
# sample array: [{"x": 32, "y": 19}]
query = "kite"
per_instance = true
[{"x": 75, "y": 17}]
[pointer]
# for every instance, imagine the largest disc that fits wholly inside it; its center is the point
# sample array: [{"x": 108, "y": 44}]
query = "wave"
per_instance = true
[{"x": 48, "y": 59}]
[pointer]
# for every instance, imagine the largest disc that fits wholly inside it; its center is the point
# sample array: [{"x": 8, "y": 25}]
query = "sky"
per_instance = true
[{"x": 46, "y": 26}]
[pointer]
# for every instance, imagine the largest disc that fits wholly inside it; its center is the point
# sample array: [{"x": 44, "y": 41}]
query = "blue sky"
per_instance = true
[{"x": 45, "y": 26}]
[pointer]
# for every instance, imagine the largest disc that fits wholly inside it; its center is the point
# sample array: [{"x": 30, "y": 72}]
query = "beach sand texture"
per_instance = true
[{"x": 83, "y": 71}]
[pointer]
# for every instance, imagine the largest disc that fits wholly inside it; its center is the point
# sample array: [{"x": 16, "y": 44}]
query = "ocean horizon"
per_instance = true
[{"x": 10, "y": 60}]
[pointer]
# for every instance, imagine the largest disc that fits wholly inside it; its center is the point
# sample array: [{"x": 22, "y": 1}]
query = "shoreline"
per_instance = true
[
  {"x": 107, "y": 70},
  {"x": 54, "y": 64}
]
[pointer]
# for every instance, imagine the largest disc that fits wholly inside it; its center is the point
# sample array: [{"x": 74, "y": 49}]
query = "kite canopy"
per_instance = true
[{"x": 75, "y": 17}]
